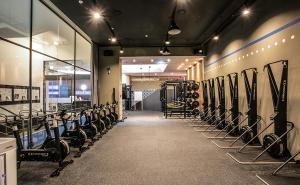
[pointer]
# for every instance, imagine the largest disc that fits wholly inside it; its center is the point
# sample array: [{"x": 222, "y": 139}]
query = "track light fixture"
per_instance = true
[
  {"x": 173, "y": 28},
  {"x": 113, "y": 39},
  {"x": 121, "y": 50},
  {"x": 167, "y": 41},
  {"x": 166, "y": 51},
  {"x": 161, "y": 50}
]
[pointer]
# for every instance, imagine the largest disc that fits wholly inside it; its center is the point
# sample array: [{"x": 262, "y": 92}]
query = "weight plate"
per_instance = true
[
  {"x": 195, "y": 95},
  {"x": 276, "y": 150},
  {"x": 248, "y": 135},
  {"x": 195, "y": 104},
  {"x": 195, "y": 87}
]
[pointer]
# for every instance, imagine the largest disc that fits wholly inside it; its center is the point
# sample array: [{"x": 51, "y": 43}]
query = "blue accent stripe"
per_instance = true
[{"x": 257, "y": 40}]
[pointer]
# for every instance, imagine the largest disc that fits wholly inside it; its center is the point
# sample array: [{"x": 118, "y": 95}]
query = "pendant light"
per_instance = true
[{"x": 173, "y": 28}]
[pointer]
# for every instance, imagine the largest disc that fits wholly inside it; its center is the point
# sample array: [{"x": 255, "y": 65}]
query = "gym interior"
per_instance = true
[{"x": 149, "y": 92}]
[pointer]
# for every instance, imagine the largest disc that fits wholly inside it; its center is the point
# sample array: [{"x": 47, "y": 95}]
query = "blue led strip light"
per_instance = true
[{"x": 292, "y": 23}]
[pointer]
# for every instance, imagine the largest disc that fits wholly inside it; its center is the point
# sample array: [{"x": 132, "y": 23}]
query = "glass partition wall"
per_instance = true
[{"x": 45, "y": 64}]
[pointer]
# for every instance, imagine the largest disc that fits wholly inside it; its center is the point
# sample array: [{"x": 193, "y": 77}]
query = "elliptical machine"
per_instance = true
[{"x": 52, "y": 150}]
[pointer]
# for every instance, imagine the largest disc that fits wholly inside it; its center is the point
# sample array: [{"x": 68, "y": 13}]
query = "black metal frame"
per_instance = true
[
  {"x": 234, "y": 96},
  {"x": 221, "y": 97},
  {"x": 251, "y": 95},
  {"x": 212, "y": 98},
  {"x": 205, "y": 97},
  {"x": 279, "y": 99}
]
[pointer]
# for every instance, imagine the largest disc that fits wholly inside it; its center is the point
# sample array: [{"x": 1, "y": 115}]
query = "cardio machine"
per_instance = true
[
  {"x": 276, "y": 143},
  {"x": 75, "y": 136},
  {"x": 53, "y": 149},
  {"x": 88, "y": 126},
  {"x": 96, "y": 119},
  {"x": 104, "y": 117}
]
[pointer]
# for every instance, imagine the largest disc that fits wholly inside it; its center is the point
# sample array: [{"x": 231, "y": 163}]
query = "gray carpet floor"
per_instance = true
[{"x": 146, "y": 150}]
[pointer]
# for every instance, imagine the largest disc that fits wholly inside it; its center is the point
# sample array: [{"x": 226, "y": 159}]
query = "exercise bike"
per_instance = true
[
  {"x": 52, "y": 150},
  {"x": 86, "y": 124},
  {"x": 95, "y": 118},
  {"x": 110, "y": 114},
  {"x": 113, "y": 106},
  {"x": 105, "y": 118},
  {"x": 75, "y": 136}
]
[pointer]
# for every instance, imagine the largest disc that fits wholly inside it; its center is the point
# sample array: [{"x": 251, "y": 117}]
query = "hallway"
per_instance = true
[{"x": 147, "y": 149}]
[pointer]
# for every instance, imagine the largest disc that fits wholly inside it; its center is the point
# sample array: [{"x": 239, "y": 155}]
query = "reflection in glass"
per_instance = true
[
  {"x": 59, "y": 82},
  {"x": 14, "y": 71},
  {"x": 15, "y": 21},
  {"x": 83, "y": 90},
  {"x": 14, "y": 82},
  {"x": 83, "y": 53},
  {"x": 51, "y": 35}
]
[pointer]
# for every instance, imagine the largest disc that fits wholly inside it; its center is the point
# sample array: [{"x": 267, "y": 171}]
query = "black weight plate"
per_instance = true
[
  {"x": 195, "y": 104},
  {"x": 276, "y": 150},
  {"x": 196, "y": 112},
  {"x": 195, "y": 95},
  {"x": 195, "y": 87},
  {"x": 248, "y": 135}
]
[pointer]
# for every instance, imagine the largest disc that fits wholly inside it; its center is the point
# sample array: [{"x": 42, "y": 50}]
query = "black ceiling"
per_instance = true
[{"x": 133, "y": 19}]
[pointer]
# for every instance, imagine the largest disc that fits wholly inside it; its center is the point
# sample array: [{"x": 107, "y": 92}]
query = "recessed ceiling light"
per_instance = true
[
  {"x": 155, "y": 74},
  {"x": 195, "y": 62},
  {"x": 113, "y": 39},
  {"x": 167, "y": 42},
  {"x": 146, "y": 36},
  {"x": 186, "y": 60},
  {"x": 246, "y": 12},
  {"x": 169, "y": 60},
  {"x": 121, "y": 50},
  {"x": 97, "y": 15},
  {"x": 216, "y": 37},
  {"x": 172, "y": 73},
  {"x": 152, "y": 60},
  {"x": 133, "y": 60},
  {"x": 80, "y": 1}
]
